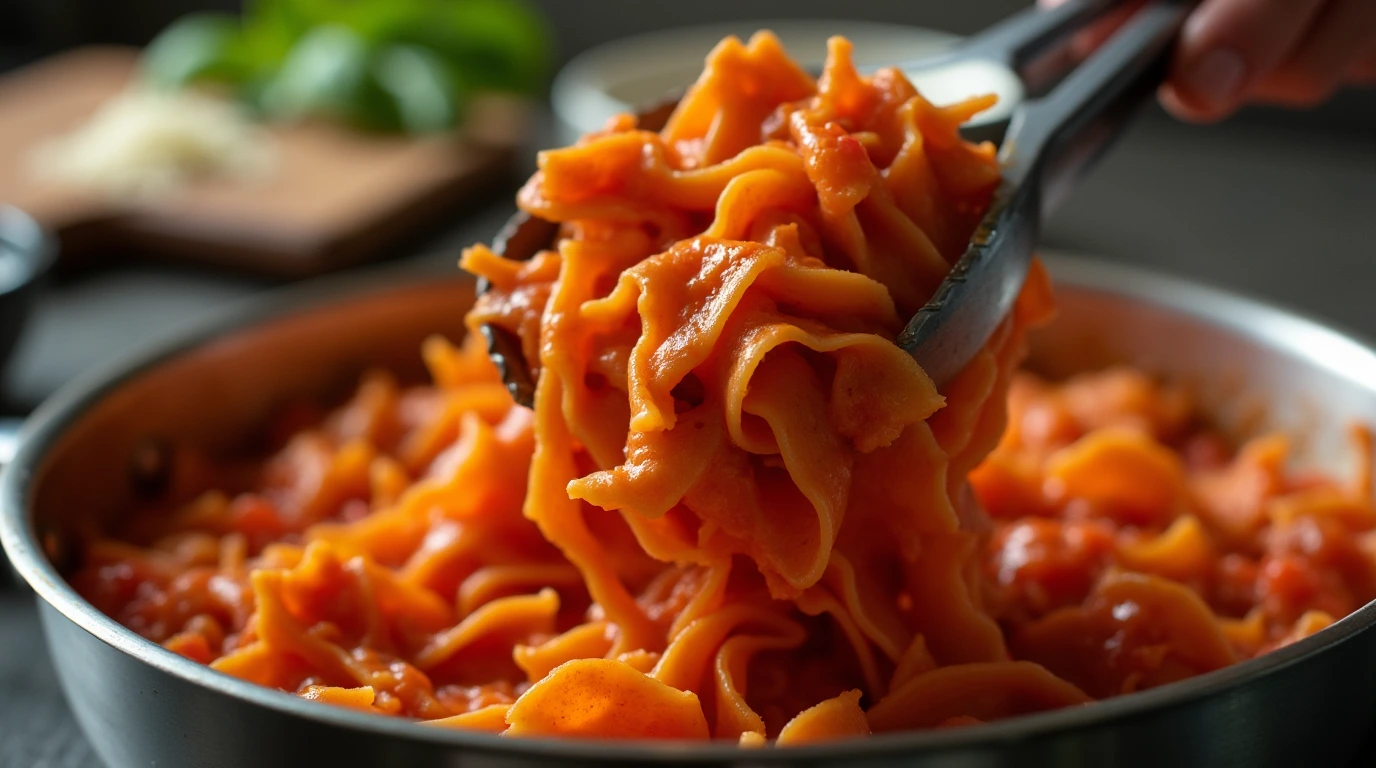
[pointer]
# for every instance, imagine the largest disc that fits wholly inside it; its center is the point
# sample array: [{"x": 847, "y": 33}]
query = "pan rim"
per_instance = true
[{"x": 1320, "y": 343}]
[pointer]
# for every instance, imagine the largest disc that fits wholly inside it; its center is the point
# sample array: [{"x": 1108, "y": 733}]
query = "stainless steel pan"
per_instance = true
[
  {"x": 1309, "y": 704},
  {"x": 26, "y": 252}
]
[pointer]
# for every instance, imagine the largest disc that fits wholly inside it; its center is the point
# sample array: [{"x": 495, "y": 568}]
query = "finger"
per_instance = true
[
  {"x": 1183, "y": 108},
  {"x": 1338, "y": 38},
  {"x": 1227, "y": 45}
]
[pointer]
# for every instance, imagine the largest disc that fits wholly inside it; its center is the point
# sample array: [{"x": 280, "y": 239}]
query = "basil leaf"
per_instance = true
[
  {"x": 377, "y": 64},
  {"x": 493, "y": 44},
  {"x": 418, "y": 81},
  {"x": 328, "y": 74},
  {"x": 198, "y": 46}
]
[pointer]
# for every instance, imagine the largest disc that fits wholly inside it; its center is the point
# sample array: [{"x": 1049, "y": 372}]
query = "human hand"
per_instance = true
[{"x": 1287, "y": 52}]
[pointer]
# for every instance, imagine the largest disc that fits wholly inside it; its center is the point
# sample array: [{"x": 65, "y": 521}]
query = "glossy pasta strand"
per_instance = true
[{"x": 737, "y": 509}]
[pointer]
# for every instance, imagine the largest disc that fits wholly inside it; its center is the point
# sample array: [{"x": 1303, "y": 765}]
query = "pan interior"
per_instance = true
[{"x": 1254, "y": 368}]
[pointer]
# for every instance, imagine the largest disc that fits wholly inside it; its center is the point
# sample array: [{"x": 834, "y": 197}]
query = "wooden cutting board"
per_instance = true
[{"x": 334, "y": 197}]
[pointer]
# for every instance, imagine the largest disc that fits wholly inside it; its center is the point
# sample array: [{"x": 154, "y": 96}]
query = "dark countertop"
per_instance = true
[{"x": 1280, "y": 213}]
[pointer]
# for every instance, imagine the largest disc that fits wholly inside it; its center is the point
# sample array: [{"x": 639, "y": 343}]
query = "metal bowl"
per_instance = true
[{"x": 1310, "y": 703}]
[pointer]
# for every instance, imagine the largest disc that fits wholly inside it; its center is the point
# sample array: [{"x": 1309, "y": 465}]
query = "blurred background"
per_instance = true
[{"x": 378, "y": 142}]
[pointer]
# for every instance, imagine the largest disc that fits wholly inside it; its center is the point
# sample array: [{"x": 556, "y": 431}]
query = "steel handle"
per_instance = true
[{"x": 1053, "y": 138}]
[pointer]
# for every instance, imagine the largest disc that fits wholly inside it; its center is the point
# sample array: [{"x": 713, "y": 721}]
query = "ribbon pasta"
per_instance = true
[{"x": 737, "y": 510}]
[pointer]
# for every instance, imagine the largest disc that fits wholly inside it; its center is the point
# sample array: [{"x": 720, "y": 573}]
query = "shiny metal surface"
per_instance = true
[
  {"x": 1052, "y": 139},
  {"x": 1309, "y": 704},
  {"x": 9, "y": 439},
  {"x": 26, "y": 252},
  {"x": 1050, "y": 142}
]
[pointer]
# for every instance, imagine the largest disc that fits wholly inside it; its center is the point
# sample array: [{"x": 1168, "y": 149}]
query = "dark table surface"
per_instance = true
[{"x": 1278, "y": 212}]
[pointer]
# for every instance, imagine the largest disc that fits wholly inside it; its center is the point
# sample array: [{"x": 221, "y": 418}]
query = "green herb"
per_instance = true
[
  {"x": 382, "y": 65},
  {"x": 198, "y": 46}
]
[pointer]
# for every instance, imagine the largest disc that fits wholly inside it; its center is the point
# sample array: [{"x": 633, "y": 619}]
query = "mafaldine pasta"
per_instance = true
[{"x": 737, "y": 511}]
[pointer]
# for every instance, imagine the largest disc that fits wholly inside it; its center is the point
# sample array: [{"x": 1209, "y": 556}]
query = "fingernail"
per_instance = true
[{"x": 1217, "y": 77}]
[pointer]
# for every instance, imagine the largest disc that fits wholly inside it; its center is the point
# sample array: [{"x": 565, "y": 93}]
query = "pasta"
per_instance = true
[
  {"x": 1133, "y": 546},
  {"x": 737, "y": 511}
]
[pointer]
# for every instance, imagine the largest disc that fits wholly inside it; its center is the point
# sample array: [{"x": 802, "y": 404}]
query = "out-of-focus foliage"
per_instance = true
[{"x": 382, "y": 65}]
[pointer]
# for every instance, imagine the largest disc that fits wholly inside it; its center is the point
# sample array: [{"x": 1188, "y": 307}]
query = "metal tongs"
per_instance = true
[{"x": 1073, "y": 112}]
